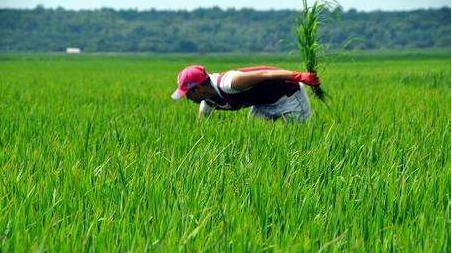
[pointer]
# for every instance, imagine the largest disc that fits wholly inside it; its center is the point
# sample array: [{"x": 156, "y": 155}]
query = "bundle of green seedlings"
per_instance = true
[{"x": 308, "y": 40}]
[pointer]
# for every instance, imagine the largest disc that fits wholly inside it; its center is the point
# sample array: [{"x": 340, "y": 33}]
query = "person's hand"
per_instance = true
[{"x": 308, "y": 78}]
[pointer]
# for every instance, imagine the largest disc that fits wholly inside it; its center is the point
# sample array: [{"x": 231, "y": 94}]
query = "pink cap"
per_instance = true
[{"x": 188, "y": 78}]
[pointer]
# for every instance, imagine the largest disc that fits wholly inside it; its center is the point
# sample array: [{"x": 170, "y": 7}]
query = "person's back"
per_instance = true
[{"x": 266, "y": 92}]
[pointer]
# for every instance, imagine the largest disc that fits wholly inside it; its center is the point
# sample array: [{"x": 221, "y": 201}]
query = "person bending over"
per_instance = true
[{"x": 271, "y": 92}]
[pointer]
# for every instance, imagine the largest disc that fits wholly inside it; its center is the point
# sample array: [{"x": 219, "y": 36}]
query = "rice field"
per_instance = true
[{"x": 95, "y": 156}]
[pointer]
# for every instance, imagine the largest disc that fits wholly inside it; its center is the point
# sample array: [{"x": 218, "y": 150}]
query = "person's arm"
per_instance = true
[
  {"x": 204, "y": 110},
  {"x": 247, "y": 80}
]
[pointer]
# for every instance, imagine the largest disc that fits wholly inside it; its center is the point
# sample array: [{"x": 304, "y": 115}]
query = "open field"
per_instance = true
[{"x": 95, "y": 155}]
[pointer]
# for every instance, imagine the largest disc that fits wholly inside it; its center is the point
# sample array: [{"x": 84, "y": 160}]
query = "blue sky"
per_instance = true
[{"x": 366, "y": 5}]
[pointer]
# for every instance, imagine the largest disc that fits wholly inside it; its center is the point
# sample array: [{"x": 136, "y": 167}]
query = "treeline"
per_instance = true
[{"x": 215, "y": 30}]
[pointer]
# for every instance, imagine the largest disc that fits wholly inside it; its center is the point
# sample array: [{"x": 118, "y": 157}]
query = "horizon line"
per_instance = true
[{"x": 210, "y": 7}]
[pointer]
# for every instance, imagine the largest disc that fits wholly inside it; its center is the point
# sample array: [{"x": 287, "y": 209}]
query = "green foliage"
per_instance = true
[
  {"x": 308, "y": 41},
  {"x": 214, "y": 30},
  {"x": 95, "y": 156},
  {"x": 306, "y": 32}
]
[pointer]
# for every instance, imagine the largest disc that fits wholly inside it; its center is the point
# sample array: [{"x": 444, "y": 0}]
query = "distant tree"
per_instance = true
[{"x": 214, "y": 30}]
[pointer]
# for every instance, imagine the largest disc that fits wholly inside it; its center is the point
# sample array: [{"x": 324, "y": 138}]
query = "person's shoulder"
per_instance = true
[
  {"x": 232, "y": 72},
  {"x": 226, "y": 81}
]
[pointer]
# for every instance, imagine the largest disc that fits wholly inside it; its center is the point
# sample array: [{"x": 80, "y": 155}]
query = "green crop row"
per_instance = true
[{"x": 94, "y": 156}]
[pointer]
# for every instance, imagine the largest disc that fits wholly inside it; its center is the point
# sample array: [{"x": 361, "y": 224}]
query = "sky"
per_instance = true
[{"x": 362, "y": 5}]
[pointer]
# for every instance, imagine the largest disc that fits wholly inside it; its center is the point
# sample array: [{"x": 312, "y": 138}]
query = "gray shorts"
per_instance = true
[{"x": 294, "y": 108}]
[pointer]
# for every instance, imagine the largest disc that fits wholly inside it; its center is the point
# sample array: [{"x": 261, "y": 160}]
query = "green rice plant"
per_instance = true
[
  {"x": 308, "y": 40},
  {"x": 95, "y": 157}
]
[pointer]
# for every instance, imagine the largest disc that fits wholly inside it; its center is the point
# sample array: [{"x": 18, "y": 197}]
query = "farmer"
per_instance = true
[{"x": 271, "y": 92}]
